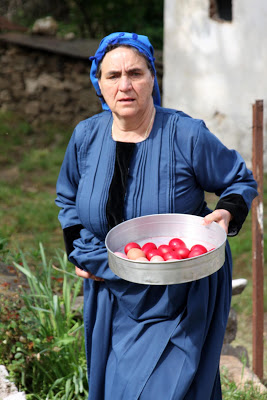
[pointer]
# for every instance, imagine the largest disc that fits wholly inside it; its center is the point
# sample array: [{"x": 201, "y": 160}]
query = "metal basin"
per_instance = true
[{"x": 160, "y": 228}]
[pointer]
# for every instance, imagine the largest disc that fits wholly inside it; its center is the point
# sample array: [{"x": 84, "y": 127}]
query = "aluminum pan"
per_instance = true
[{"x": 159, "y": 226}]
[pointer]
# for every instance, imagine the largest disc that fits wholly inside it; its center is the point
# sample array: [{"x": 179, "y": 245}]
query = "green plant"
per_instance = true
[
  {"x": 230, "y": 390},
  {"x": 44, "y": 346}
]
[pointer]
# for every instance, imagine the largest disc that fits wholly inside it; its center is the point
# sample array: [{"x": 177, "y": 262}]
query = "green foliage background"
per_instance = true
[{"x": 95, "y": 18}]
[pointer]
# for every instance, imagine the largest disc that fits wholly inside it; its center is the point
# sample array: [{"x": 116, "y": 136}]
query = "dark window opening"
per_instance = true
[{"x": 221, "y": 10}]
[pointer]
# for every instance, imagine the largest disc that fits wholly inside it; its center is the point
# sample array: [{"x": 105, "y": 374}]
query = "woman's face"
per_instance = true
[{"x": 126, "y": 83}]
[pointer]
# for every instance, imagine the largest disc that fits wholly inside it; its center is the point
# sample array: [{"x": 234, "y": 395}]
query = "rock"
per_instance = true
[
  {"x": 78, "y": 304},
  {"x": 8, "y": 390},
  {"x": 240, "y": 374},
  {"x": 45, "y": 26},
  {"x": 239, "y": 352},
  {"x": 32, "y": 108},
  {"x": 69, "y": 36},
  {"x": 238, "y": 285},
  {"x": 231, "y": 328},
  {"x": 16, "y": 396}
]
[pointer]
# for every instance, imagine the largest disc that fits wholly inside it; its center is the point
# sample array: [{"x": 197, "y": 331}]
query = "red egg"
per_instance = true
[
  {"x": 131, "y": 245},
  {"x": 152, "y": 253},
  {"x": 148, "y": 246},
  {"x": 176, "y": 243},
  {"x": 171, "y": 256},
  {"x": 183, "y": 252},
  {"x": 164, "y": 248},
  {"x": 199, "y": 248}
]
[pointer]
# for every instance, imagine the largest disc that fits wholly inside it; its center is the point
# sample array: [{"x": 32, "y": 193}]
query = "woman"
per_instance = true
[{"x": 137, "y": 158}]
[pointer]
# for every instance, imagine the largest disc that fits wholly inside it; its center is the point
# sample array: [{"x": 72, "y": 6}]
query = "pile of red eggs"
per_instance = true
[{"x": 176, "y": 249}]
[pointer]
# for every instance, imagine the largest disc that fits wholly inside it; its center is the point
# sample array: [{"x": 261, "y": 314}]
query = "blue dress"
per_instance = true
[{"x": 150, "y": 342}]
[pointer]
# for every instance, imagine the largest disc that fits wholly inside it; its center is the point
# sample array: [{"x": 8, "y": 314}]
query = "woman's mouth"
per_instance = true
[{"x": 126, "y": 100}]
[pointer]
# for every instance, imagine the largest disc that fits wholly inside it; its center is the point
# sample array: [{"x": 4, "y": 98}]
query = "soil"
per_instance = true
[{"x": 10, "y": 280}]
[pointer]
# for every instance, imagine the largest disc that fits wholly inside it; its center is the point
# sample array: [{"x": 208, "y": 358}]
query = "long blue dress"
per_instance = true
[{"x": 150, "y": 342}]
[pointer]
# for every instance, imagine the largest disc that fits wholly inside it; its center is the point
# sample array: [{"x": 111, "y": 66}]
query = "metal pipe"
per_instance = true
[{"x": 257, "y": 242}]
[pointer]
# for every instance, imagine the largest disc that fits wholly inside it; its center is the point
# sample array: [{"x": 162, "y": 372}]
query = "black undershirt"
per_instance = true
[{"x": 118, "y": 186}]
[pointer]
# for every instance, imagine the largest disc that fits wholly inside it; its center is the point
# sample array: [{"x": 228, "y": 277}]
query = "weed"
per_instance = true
[
  {"x": 230, "y": 390},
  {"x": 42, "y": 341}
]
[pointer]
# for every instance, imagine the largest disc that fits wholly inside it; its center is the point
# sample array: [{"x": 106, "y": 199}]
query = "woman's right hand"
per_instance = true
[{"x": 87, "y": 275}]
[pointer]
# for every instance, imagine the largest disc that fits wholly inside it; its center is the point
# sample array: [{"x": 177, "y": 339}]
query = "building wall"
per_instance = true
[{"x": 216, "y": 70}]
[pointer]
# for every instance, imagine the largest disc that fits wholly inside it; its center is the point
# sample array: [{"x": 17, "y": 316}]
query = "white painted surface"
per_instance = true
[{"x": 216, "y": 70}]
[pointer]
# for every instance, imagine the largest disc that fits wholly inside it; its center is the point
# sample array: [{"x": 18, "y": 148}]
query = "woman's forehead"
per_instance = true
[{"x": 123, "y": 57}]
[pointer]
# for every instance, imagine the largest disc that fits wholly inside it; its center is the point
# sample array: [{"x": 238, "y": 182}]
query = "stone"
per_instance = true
[
  {"x": 45, "y": 26},
  {"x": 239, "y": 352},
  {"x": 48, "y": 81},
  {"x": 238, "y": 285},
  {"x": 46, "y": 85},
  {"x": 32, "y": 108},
  {"x": 240, "y": 374},
  {"x": 231, "y": 328},
  {"x": 5, "y": 96},
  {"x": 16, "y": 396},
  {"x": 8, "y": 390},
  {"x": 69, "y": 36}
]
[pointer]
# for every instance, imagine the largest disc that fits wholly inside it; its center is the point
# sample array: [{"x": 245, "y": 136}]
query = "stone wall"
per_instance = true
[{"x": 47, "y": 86}]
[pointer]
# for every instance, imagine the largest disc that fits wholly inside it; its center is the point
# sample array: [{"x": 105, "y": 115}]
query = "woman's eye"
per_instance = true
[{"x": 136, "y": 74}]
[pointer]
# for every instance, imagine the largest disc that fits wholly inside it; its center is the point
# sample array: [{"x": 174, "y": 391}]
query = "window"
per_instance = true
[{"x": 221, "y": 10}]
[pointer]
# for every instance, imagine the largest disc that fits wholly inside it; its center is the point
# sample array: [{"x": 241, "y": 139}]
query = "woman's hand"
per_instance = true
[
  {"x": 87, "y": 275},
  {"x": 221, "y": 216}
]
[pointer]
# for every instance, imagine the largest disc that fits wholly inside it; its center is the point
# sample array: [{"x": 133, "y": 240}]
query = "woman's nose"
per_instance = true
[{"x": 125, "y": 83}]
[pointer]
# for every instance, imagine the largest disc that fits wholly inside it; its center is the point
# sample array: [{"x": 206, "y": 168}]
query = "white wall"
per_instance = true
[{"x": 216, "y": 70}]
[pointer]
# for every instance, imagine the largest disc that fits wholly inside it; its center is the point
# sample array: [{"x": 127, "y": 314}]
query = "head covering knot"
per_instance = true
[{"x": 140, "y": 42}]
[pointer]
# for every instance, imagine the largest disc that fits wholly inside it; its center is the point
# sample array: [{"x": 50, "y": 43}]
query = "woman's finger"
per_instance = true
[
  {"x": 87, "y": 275},
  {"x": 222, "y": 217}
]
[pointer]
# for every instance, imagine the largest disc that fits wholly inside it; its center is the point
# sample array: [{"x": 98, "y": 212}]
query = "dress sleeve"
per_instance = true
[
  {"x": 223, "y": 171},
  {"x": 84, "y": 249},
  {"x": 235, "y": 204},
  {"x": 67, "y": 186}
]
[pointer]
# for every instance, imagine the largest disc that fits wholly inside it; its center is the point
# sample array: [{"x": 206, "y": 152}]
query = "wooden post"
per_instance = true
[{"x": 257, "y": 241}]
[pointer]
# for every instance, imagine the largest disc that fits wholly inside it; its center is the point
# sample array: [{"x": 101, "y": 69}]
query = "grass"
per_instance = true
[
  {"x": 232, "y": 392},
  {"x": 30, "y": 159}
]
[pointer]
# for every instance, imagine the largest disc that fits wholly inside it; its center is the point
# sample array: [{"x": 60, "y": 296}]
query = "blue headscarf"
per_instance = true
[{"x": 140, "y": 42}]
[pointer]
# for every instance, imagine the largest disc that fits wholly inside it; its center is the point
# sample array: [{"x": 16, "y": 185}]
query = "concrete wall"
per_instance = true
[{"x": 216, "y": 70}]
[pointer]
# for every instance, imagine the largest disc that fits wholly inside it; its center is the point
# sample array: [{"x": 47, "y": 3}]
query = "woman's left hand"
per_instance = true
[
  {"x": 221, "y": 216},
  {"x": 87, "y": 275}
]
